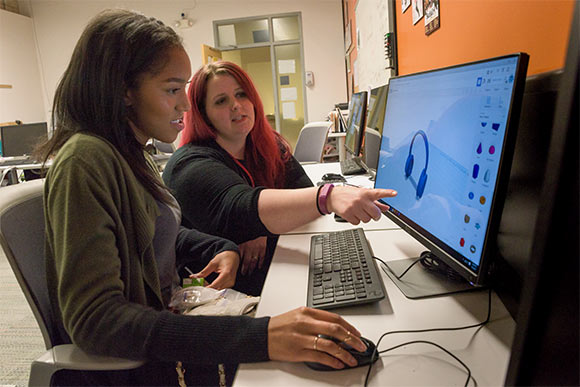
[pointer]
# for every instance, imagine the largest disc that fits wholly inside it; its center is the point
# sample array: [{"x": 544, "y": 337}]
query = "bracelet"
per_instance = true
[
  {"x": 322, "y": 197},
  {"x": 317, "y": 196}
]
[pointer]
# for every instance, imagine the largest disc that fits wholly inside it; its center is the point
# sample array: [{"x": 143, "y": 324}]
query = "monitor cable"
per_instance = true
[
  {"x": 428, "y": 330},
  {"x": 431, "y": 263}
]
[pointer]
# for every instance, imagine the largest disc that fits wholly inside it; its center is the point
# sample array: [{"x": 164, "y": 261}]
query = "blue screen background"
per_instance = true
[{"x": 463, "y": 112}]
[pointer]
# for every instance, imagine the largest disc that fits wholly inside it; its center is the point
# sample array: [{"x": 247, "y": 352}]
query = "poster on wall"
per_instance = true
[
  {"x": 404, "y": 5},
  {"x": 347, "y": 38},
  {"x": 417, "y": 7},
  {"x": 431, "y": 16}
]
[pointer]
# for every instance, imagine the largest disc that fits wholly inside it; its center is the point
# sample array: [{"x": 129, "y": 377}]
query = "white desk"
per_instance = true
[
  {"x": 486, "y": 351},
  {"x": 10, "y": 172},
  {"x": 316, "y": 171}
]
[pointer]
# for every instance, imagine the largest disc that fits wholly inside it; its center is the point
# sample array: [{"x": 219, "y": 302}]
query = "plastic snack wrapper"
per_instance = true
[{"x": 199, "y": 300}]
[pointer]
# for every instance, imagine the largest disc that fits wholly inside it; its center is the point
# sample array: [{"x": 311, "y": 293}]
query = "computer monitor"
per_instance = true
[
  {"x": 376, "y": 108},
  {"x": 20, "y": 140},
  {"x": 520, "y": 211},
  {"x": 355, "y": 125},
  {"x": 374, "y": 125},
  {"x": 341, "y": 120},
  {"x": 447, "y": 145},
  {"x": 545, "y": 350}
]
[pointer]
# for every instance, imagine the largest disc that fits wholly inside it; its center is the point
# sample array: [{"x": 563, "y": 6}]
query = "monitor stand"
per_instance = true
[{"x": 420, "y": 282}]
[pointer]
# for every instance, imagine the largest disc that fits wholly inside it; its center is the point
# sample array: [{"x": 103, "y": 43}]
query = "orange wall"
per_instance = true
[{"x": 478, "y": 29}]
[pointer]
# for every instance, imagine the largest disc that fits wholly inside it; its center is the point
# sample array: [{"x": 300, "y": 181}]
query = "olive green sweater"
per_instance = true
[{"x": 101, "y": 270}]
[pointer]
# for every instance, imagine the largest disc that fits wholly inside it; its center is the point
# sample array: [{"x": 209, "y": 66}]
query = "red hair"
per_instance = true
[{"x": 266, "y": 150}]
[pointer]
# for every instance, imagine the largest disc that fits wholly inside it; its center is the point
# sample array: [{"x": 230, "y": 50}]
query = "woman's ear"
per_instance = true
[{"x": 128, "y": 98}]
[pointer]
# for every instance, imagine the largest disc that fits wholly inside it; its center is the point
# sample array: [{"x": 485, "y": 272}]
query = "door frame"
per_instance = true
[{"x": 272, "y": 44}]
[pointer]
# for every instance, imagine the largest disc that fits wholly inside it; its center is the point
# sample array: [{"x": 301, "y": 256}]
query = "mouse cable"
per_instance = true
[
  {"x": 436, "y": 345},
  {"x": 429, "y": 330}
]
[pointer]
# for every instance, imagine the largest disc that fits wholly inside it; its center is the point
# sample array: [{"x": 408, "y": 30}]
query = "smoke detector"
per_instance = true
[{"x": 183, "y": 22}]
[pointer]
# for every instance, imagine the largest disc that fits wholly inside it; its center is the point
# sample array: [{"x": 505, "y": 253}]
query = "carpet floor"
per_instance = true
[{"x": 20, "y": 338}]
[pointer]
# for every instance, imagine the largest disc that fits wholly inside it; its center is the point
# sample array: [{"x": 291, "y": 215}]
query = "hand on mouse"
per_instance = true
[{"x": 293, "y": 336}]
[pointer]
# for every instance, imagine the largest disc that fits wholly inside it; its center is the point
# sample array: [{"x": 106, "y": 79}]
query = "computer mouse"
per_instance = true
[
  {"x": 363, "y": 358},
  {"x": 333, "y": 177}
]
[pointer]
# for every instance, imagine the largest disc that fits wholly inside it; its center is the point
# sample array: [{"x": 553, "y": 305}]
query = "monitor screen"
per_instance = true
[
  {"x": 376, "y": 108},
  {"x": 446, "y": 148},
  {"x": 20, "y": 140},
  {"x": 355, "y": 125}
]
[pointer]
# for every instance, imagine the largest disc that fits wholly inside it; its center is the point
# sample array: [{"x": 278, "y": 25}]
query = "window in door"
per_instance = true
[{"x": 270, "y": 50}]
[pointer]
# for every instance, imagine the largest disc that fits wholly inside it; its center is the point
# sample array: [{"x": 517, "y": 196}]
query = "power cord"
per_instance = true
[
  {"x": 427, "y": 330},
  {"x": 429, "y": 262}
]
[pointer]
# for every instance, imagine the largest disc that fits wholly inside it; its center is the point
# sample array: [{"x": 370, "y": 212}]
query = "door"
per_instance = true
[
  {"x": 209, "y": 54},
  {"x": 269, "y": 49}
]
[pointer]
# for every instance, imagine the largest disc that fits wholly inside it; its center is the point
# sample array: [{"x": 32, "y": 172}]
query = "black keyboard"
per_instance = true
[
  {"x": 342, "y": 271},
  {"x": 354, "y": 166}
]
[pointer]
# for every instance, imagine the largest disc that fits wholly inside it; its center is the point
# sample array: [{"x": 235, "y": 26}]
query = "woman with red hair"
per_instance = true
[{"x": 235, "y": 176}]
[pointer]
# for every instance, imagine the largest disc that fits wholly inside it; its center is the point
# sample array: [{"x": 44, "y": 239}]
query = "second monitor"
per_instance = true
[
  {"x": 355, "y": 127},
  {"x": 356, "y": 123}
]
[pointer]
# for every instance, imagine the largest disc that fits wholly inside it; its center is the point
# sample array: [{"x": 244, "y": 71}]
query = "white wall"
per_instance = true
[
  {"x": 19, "y": 68},
  {"x": 59, "y": 23}
]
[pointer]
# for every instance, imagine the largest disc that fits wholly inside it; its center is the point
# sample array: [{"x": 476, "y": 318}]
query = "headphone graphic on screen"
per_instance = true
[{"x": 411, "y": 160}]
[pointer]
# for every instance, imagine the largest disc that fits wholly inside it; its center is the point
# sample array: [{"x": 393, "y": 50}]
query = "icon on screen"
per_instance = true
[
  {"x": 472, "y": 249},
  {"x": 462, "y": 242},
  {"x": 486, "y": 176},
  {"x": 479, "y": 149},
  {"x": 482, "y": 199},
  {"x": 466, "y": 218},
  {"x": 470, "y": 195},
  {"x": 479, "y": 79},
  {"x": 491, "y": 150},
  {"x": 495, "y": 126},
  {"x": 475, "y": 171},
  {"x": 483, "y": 124}
]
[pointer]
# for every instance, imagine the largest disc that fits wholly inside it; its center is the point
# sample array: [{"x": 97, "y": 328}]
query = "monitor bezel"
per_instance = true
[
  {"x": 440, "y": 249},
  {"x": 358, "y": 136}
]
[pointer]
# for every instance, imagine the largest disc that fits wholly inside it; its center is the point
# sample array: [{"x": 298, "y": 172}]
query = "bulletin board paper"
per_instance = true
[
  {"x": 288, "y": 94},
  {"x": 287, "y": 66},
  {"x": 288, "y": 111}
]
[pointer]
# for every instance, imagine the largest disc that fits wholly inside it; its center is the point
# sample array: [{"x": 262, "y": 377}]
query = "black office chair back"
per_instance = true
[{"x": 22, "y": 239}]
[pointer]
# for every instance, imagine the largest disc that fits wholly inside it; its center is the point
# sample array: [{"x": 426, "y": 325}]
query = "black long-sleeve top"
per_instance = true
[{"x": 215, "y": 193}]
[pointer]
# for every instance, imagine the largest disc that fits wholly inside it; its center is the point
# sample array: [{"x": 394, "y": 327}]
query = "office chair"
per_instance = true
[
  {"x": 311, "y": 141},
  {"x": 372, "y": 147},
  {"x": 164, "y": 147},
  {"x": 22, "y": 239}
]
